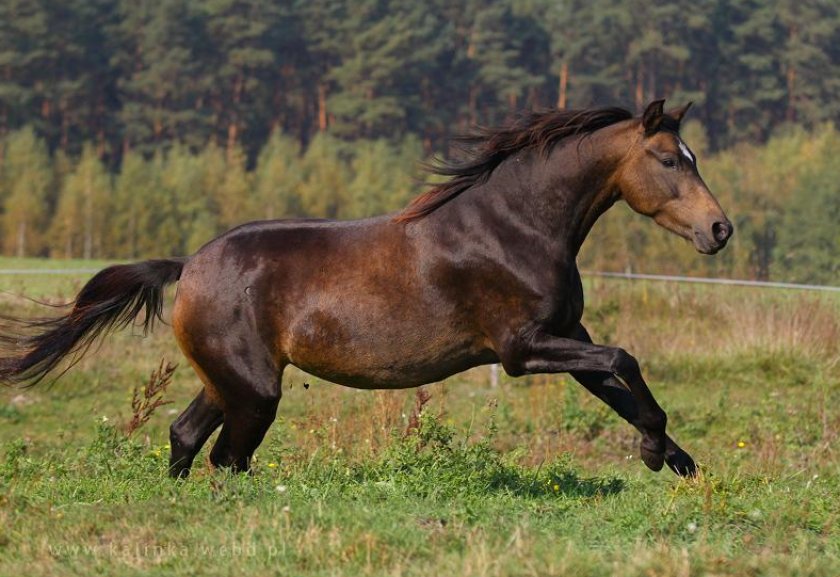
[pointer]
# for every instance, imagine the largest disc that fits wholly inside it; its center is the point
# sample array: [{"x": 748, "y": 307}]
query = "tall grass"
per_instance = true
[{"x": 533, "y": 477}]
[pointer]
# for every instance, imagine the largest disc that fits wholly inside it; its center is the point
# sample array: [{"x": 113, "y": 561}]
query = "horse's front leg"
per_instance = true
[
  {"x": 545, "y": 353},
  {"x": 613, "y": 392}
]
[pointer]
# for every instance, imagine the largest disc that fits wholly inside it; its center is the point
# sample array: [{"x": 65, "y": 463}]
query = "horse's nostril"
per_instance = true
[{"x": 721, "y": 231}]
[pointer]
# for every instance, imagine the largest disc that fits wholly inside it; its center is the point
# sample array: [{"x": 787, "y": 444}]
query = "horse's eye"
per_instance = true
[{"x": 669, "y": 163}]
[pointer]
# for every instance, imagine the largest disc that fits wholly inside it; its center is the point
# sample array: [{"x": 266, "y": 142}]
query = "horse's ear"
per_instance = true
[
  {"x": 652, "y": 117},
  {"x": 678, "y": 113}
]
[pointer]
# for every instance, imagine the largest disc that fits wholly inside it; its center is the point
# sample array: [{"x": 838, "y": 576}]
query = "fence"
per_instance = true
[{"x": 622, "y": 275}]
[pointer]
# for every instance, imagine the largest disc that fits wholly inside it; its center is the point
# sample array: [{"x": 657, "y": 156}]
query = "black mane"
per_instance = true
[{"x": 488, "y": 147}]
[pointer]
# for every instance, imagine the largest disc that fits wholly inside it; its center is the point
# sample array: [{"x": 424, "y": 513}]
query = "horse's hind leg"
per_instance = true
[
  {"x": 244, "y": 428},
  {"x": 228, "y": 344},
  {"x": 251, "y": 393},
  {"x": 190, "y": 431}
]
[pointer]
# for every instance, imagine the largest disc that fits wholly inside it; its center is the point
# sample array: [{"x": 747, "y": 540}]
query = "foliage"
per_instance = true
[
  {"x": 180, "y": 119},
  {"x": 141, "y": 75}
]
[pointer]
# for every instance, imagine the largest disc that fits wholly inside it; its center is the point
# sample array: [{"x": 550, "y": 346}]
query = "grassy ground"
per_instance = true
[{"x": 533, "y": 477}]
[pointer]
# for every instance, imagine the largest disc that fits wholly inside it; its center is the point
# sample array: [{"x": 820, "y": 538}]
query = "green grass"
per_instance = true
[
  {"x": 534, "y": 477},
  {"x": 59, "y": 287}
]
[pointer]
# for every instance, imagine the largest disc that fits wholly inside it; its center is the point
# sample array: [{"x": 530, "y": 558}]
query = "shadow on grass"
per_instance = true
[{"x": 447, "y": 469}]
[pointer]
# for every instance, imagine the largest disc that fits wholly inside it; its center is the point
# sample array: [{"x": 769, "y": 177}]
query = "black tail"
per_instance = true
[{"x": 30, "y": 349}]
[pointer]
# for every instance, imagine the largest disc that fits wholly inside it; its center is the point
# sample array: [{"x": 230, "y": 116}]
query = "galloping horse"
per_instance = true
[{"x": 480, "y": 269}]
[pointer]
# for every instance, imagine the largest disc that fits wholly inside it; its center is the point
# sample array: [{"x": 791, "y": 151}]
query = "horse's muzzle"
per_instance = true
[{"x": 715, "y": 238}]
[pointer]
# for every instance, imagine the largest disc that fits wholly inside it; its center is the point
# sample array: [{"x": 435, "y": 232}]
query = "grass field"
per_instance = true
[{"x": 532, "y": 477}]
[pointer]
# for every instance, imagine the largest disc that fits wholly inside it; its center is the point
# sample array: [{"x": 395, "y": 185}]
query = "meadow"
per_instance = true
[{"x": 532, "y": 477}]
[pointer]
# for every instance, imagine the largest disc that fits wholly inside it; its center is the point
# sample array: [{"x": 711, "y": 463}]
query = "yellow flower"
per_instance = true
[
  {"x": 741, "y": 444},
  {"x": 556, "y": 488},
  {"x": 272, "y": 465}
]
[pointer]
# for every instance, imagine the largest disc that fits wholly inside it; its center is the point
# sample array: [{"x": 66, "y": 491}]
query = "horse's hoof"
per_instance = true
[
  {"x": 179, "y": 473},
  {"x": 652, "y": 455},
  {"x": 178, "y": 470},
  {"x": 681, "y": 463}
]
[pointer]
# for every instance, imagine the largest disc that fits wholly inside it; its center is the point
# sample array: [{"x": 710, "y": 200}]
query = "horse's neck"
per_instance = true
[{"x": 559, "y": 197}]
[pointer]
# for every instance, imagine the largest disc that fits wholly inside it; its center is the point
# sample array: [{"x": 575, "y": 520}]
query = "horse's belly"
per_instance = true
[{"x": 370, "y": 352}]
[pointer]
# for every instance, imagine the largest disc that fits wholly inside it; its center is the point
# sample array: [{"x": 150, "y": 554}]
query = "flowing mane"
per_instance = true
[{"x": 486, "y": 148}]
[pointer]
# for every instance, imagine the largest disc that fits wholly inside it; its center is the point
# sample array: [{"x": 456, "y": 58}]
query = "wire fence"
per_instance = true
[
  {"x": 47, "y": 271},
  {"x": 711, "y": 280},
  {"x": 620, "y": 275}
]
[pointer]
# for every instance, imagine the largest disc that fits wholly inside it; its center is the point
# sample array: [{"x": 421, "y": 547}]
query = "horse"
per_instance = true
[{"x": 479, "y": 269}]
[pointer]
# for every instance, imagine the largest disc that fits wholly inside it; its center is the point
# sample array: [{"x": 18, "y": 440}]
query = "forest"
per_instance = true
[{"x": 132, "y": 129}]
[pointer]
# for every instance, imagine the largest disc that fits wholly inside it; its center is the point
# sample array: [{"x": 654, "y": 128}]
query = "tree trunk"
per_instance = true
[
  {"x": 233, "y": 125},
  {"x": 790, "y": 114},
  {"x": 132, "y": 234},
  {"x": 790, "y": 77},
  {"x": 232, "y": 137},
  {"x": 21, "y": 239},
  {"x": 564, "y": 82},
  {"x": 473, "y": 105},
  {"x": 322, "y": 107},
  {"x": 640, "y": 86},
  {"x": 87, "y": 251}
]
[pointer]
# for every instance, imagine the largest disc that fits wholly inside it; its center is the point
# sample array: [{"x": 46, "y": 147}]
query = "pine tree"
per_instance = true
[
  {"x": 27, "y": 179},
  {"x": 325, "y": 179},
  {"x": 184, "y": 181},
  {"x": 238, "y": 39},
  {"x": 276, "y": 178},
  {"x": 233, "y": 195},
  {"x": 162, "y": 73},
  {"x": 383, "y": 179},
  {"x": 498, "y": 50},
  {"x": 80, "y": 222}
]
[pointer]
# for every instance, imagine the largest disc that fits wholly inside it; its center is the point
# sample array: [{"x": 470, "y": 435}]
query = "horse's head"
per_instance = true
[{"x": 658, "y": 178}]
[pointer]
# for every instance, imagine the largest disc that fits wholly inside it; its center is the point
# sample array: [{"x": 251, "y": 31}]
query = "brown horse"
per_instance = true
[{"x": 478, "y": 270}]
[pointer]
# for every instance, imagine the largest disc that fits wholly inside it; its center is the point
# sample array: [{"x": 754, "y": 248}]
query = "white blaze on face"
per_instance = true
[{"x": 686, "y": 152}]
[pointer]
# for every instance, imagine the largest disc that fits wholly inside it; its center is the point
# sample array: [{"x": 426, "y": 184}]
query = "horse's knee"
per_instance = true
[
  {"x": 624, "y": 364},
  {"x": 654, "y": 420}
]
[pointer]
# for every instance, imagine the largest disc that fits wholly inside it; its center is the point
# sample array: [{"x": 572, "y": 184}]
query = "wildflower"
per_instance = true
[
  {"x": 692, "y": 527},
  {"x": 272, "y": 465},
  {"x": 280, "y": 488},
  {"x": 556, "y": 488},
  {"x": 741, "y": 444}
]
